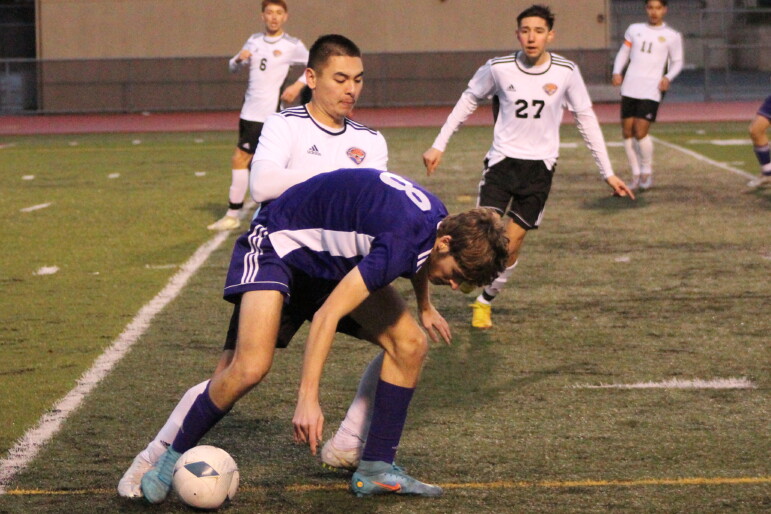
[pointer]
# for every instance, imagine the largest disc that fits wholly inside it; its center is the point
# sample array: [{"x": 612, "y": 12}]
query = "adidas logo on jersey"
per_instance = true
[
  {"x": 314, "y": 151},
  {"x": 511, "y": 88}
]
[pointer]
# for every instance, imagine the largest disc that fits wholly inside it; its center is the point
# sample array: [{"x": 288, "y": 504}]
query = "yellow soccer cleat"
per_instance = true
[
  {"x": 225, "y": 223},
  {"x": 481, "y": 315}
]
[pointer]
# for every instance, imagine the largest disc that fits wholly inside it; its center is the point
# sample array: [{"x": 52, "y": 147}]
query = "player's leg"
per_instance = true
[
  {"x": 343, "y": 450},
  {"x": 405, "y": 347},
  {"x": 758, "y": 133},
  {"x": 630, "y": 143},
  {"x": 248, "y": 137},
  {"x": 644, "y": 117},
  {"x": 129, "y": 484},
  {"x": 519, "y": 188}
]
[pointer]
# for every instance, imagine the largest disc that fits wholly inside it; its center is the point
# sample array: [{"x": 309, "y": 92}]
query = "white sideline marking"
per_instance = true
[
  {"x": 676, "y": 383},
  {"x": 26, "y": 448},
  {"x": 113, "y": 175},
  {"x": 721, "y": 142},
  {"x": 702, "y": 158},
  {"x": 47, "y": 270},
  {"x": 28, "y": 177},
  {"x": 35, "y": 207}
]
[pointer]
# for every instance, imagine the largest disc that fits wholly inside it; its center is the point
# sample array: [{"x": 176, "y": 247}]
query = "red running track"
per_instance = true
[{"x": 374, "y": 117}]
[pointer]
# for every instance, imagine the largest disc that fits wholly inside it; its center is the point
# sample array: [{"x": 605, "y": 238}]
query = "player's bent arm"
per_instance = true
[
  {"x": 676, "y": 61},
  {"x": 308, "y": 419},
  {"x": 589, "y": 127},
  {"x": 429, "y": 316},
  {"x": 467, "y": 104},
  {"x": 622, "y": 58},
  {"x": 268, "y": 180},
  {"x": 239, "y": 60},
  {"x": 291, "y": 92}
]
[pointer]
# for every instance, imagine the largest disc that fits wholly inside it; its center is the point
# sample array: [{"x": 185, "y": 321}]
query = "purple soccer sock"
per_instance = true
[
  {"x": 388, "y": 418},
  {"x": 201, "y": 417},
  {"x": 763, "y": 153}
]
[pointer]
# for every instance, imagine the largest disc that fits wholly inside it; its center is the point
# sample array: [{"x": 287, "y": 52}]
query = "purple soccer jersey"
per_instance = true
[{"x": 379, "y": 221}]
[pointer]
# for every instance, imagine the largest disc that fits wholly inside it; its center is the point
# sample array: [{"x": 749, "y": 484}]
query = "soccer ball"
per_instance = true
[{"x": 205, "y": 476}]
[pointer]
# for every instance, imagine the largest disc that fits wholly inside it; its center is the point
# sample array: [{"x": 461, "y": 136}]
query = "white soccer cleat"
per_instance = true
[
  {"x": 646, "y": 181},
  {"x": 130, "y": 484},
  {"x": 635, "y": 184},
  {"x": 337, "y": 459},
  {"x": 225, "y": 223},
  {"x": 763, "y": 180}
]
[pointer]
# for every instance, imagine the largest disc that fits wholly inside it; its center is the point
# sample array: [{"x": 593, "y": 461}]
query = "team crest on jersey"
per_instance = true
[
  {"x": 276, "y": 53},
  {"x": 357, "y": 155},
  {"x": 662, "y": 39},
  {"x": 550, "y": 89}
]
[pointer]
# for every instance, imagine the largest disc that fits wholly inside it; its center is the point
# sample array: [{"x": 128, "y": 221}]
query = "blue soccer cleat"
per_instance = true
[
  {"x": 156, "y": 483},
  {"x": 383, "y": 478}
]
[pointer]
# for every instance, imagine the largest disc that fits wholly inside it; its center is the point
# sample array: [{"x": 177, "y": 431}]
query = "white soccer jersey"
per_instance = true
[
  {"x": 652, "y": 50},
  {"x": 294, "y": 147},
  {"x": 532, "y": 100},
  {"x": 268, "y": 68}
]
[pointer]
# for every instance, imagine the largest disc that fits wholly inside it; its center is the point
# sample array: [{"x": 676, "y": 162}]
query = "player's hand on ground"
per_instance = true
[
  {"x": 619, "y": 188},
  {"x": 617, "y": 79},
  {"x": 434, "y": 323},
  {"x": 308, "y": 423},
  {"x": 431, "y": 159},
  {"x": 243, "y": 55}
]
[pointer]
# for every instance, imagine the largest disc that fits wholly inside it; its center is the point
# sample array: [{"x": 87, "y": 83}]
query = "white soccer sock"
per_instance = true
[
  {"x": 496, "y": 287},
  {"x": 631, "y": 154},
  {"x": 238, "y": 186},
  {"x": 355, "y": 427},
  {"x": 166, "y": 435},
  {"x": 646, "y": 155}
]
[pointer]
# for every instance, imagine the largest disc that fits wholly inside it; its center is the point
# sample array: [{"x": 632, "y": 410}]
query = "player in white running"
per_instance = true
[
  {"x": 296, "y": 144},
  {"x": 532, "y": 87},
  {"x": 758, "y": 134},
  {"x": 268, "y": 55},
  {"x": 654, "y": 52}
]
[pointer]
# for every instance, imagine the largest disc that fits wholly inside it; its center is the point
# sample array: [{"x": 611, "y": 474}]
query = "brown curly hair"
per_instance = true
[{"x": 479, "y": 244}]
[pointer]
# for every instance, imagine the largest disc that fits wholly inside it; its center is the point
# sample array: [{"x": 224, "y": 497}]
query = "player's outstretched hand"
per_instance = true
[
  {"x": 431, "y": 159},
  {"x": 435, "y": 323},
  {"x": 243, "y": 55},
  {"x": 308, "y": 423},
  {"x": 619, "y": 188}
]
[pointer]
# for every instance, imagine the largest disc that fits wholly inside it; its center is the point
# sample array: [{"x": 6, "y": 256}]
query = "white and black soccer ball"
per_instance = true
[{"x": 206, "y": 476}]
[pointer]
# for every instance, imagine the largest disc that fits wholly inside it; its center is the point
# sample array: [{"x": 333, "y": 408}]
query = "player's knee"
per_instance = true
[
  {"x": 412, "y": 348},
  {"x": 248, "y": 375}
]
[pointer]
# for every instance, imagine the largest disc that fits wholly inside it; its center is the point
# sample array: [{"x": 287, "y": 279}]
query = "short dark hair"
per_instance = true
[
  {"x": 540, "y": 11},
  {"x": 479, "y": 244},
  {"x": 280, "y": 3},
  {"x": 662, "y": 2},
  {"x": 331, "y": 45}
]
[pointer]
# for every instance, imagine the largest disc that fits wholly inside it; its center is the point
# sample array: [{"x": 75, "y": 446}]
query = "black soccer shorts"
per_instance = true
[
  {"x": 518, "y": 188},
  {"x": 636, "y": 108},
  {"x": 248, "y": 135}
]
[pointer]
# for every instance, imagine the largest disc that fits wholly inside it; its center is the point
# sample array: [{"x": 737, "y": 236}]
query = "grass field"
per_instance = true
[{"x": 608, "y": 292}]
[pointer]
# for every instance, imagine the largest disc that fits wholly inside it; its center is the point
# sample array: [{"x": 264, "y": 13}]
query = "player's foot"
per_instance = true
[
  {"x": 383, "y": 478},
  {"x": 156, "y": 483},
  {"x": 225, "y": 223},
  {"x": 467, "y": 287},
  {"x": 646, "y": 181},
  {"x": 762, "y": 180},
  {"x": 481, "y": 315},
  {"x": 336, "y": 459},
  {"x": 635, "y": 184},
  {"x": 130, "y": 484}
]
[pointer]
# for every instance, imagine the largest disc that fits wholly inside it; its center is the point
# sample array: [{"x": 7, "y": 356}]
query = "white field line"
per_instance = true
[
  {"x": 675, "y": 383},
  {"x": 35, "y": 207},
  {"x": 26, "y": 448},
  {"x": 704, "y": 159}
]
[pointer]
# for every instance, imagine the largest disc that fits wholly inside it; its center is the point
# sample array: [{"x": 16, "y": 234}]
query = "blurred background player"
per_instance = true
[
  {"x": 532, "y": 85},
  {"x": 654, "y": 52},
  {"x": 351, "y": 232},
  {"x": 759, "y": 136},
  {"x": 268, "y": 55}
]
